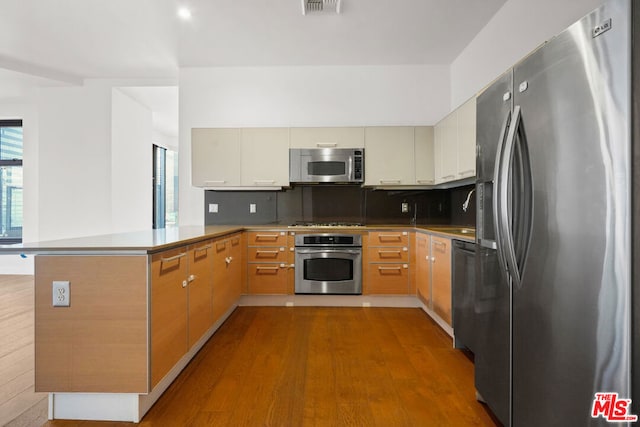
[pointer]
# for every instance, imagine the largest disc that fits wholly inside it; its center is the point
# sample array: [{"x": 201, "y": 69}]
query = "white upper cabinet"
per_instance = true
[
  {"x": 423, "y": 159},
  {"x": 265, "y": 157},
  {"x": 455, "y": 144},
  {"x": 215, "y": 157},
  {"x": 389, "y": 156},
  {"x": 467, "y": 139},
  {"x": 340, "y": 137},
  {"x": 446, "y": 149}
]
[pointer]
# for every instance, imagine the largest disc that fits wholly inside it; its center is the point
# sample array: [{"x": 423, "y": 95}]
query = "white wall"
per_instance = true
[
  {"x": 518, "y": 28},
  {"x": 131, "y": 164},
  {"x": 24, "y": 108},
  {"x": 75, "y": 161},
  {"x": 302, "y": 96}
]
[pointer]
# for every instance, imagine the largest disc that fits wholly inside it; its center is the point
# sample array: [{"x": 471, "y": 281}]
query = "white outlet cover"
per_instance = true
[
  {"x": 60, "y": 293},
  {"x": 213, "y": 208},
  {"x": 252, "y": 208}
]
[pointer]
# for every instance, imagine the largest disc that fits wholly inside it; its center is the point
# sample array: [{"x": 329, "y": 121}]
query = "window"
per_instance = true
[
  {"x": 165, "y": 187},
  {"x": 11, "y": 199}
]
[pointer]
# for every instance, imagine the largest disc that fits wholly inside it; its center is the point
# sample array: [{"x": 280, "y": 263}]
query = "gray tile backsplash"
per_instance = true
[{"x": 345, "y": 203}]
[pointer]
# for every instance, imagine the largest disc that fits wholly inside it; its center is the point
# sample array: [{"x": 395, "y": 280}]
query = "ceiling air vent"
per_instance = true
[{"x": 331, "y": 6}]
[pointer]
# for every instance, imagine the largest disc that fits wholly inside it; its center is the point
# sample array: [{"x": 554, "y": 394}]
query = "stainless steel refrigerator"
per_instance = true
[{"x": 557, "y": 227}]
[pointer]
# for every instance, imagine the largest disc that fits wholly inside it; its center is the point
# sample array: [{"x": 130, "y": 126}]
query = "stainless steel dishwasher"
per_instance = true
[{"x": 463, "y": 283}]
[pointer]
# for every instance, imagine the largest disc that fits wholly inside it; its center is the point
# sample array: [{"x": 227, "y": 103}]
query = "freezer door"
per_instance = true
[
  {"x": 571, "y": 312},
  {"x": 492, "y": 296}
]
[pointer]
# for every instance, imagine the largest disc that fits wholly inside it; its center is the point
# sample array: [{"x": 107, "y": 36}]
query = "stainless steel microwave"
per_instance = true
[{"x": 334, "y": 165}]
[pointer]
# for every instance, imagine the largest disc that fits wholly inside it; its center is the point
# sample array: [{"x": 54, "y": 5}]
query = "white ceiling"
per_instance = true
[{"x": 44, "y": 42}]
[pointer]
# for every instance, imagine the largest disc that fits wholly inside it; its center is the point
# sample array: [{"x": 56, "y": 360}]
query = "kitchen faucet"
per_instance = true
[{"x": 465, "y": 205}]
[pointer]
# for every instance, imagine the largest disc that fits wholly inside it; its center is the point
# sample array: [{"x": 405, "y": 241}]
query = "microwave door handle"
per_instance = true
[{"x": 350, "y": 176}]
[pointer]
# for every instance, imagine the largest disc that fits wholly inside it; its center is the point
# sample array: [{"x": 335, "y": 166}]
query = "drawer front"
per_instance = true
[
  {"x": 389, "y": 254},
  {"x": 388, "y": 279},
  {"x": 268, "y": 254},
  {"x": 267, "y": 279},
  {"x": 389, "y": 238},
  {"x": 267, "y": 238}
]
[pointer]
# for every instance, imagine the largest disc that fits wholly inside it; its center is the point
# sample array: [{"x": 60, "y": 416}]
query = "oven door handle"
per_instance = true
[{"x": 329, "y": 250}]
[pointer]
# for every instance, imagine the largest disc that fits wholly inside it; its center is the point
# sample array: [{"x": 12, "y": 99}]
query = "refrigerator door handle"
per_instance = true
[
  {"x": 497, "y": 205},
  {"x": 516, "y": 206}
]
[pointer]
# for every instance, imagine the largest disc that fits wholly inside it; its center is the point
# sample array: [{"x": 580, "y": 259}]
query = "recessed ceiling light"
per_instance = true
[{"x": 184, "y": 13}]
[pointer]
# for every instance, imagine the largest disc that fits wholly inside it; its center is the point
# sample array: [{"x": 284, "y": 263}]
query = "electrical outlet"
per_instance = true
[
  {"x": 60, "y": 293},
  {"x": 252, "y": 208},
  {"x": 213, "y": 208},
  {"x": 405, "y": 207}
]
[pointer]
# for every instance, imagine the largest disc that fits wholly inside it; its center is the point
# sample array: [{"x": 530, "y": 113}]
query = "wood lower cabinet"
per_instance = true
[
  {"x": 199, "y": 290},
  {"x": 388, "y": 263},
  {"x": 168, "y": 311},
  {"x": 227, "y": 273},
  {"x": 423, "y": 268},
  {"x": 441, "y": 277},
  {"x": 270, "y": 262}
]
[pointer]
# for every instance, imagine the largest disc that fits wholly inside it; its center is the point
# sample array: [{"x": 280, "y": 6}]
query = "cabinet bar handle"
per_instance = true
[
  {"x": 326, "y": 144},
  {"x": 389, "y": 252},
  {"x": 390, "y": 181},
  {"x": 267, "y": 268},
  {"x": 425, "y": 181},
  {"x": 203, "y": 248},
  {"x": 448, "y": 176},
  {"x": 172, "y": 258},
  {"x": 389, "y": 268},
  {"x": 267, "y": 253},
  {"x": 267, "y": 236},
  {"x": 214, "y": 182},
  {"x": 264, "y": 181},
  {"x": 466, "y": 172}
]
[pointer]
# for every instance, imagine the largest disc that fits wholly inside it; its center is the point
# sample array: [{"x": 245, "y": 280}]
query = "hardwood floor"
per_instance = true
[
  {"x": 16, "y": 348},
  {"x": 309, "y": 366}
]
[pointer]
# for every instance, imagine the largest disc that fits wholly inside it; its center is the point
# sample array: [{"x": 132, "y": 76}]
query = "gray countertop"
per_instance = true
[{"x": 151, "y": 241}]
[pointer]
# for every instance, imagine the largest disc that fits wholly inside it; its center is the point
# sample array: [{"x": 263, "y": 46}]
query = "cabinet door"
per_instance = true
[
  {"x": 441, "y": 275},
  {"x": 344, "y": 137},
  {"x": 388, "y": 278},
  {"x": 268, "y": 278},
  {"x": 168, "y": 311},
  {"x": 200, "y": 290},
  {"x": 265, "y": 157},
  {"x": 215, "y": 157},
  {"x": 446, "y": 149},
  {"x": 423, "y": 262},
  {"x": 236, "y": 263},
  {"x": 467, "y": 139},
  {"x": 221, "y": 285},
  {"x": 424, "y": 155},
  {"x": 389, "y": 156}
]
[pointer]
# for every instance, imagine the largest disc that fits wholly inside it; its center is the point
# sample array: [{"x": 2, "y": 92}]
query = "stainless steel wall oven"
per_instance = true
[{"x": 328, "y": 263}]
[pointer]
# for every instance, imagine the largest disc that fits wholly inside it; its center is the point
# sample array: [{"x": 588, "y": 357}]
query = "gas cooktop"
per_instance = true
[{"x": 326, "y": 224}]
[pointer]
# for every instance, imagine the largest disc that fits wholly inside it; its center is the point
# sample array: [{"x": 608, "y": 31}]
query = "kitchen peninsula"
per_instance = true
[{"x": 117, "y": 317}]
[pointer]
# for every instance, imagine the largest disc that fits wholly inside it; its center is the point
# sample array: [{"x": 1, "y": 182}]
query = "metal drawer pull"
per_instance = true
[
  {"x": 390, "y": 181},
  {"x": 268, "y": 252},
  {"x": 172, "y": 258},
  {"x": 389, "y": 252},
  {"x": 267, "y": 268},
  {"x": 267, "y": 236},
  {"x": 326, "y": 144},
  {"x": 203, "y": 248},
  {"x": 389, "y": 268},
  {"x": 214, "y": 182},
  {"x": 425, "y": 181},
  {"x": 389, "y": 236},
  {"x": 264, "y": 181}
]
